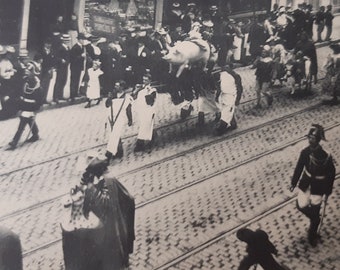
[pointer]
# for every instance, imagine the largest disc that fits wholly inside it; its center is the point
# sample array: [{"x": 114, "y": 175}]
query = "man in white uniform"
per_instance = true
[
  {"x": 116, "y": 108},
  {"x": 227, "y": 100},
  {"x": 146, "y": 110}
]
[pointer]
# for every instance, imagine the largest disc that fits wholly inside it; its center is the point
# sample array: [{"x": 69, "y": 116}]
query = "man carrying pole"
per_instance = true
[
  {"x": 318, "y": 173},
  {"x": 116, "y": 107}
]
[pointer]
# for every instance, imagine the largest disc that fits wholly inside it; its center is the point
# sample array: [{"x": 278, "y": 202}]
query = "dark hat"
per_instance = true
[
  {"x": 97, "y": 166},
  {"x": 124, "y": 33},
  {"x": 94, "y": 38},
  {"x": 317, "y": 131},
  {"x": 335, "y": 48},
  {"x": 244, "y": 234},
  {"x": 82, "y": 36}
]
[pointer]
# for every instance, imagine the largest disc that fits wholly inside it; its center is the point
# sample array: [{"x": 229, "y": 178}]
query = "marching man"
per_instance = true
[
  {"x": 231, "y": 91},
  {"x": 318, "y": 172},
  {"x": 116, "y": 107},
  {"x": 29, "y": 103},
  {"x": 146, "y": 110}
]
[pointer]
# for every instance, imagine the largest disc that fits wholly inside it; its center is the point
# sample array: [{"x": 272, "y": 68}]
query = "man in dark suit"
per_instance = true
[
  {"x": 158, "y": 47},
  {"x": 47, "y": 66},
  {"x": 62, "y": 59},
  {"x": 142, "y": 57},
  {"x": 77, "y": 65}
]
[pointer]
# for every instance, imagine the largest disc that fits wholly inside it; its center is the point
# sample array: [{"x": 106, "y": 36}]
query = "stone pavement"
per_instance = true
[
  {"x": 181, "y": 157},
  {"x": 178, "y": 223}
]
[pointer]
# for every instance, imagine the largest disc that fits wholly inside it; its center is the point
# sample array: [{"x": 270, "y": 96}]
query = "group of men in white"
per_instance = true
[{"x": 221, "y": 101}]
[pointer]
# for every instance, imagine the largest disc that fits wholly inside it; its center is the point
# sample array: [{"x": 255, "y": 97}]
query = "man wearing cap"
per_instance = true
[
  {"x": 331, "y": 83},
  {"x": 62, "y": 59},
  {"x": 47, "y": 67},
  {"x": 77, "y": 64},
  {"x": 230, "y": 88},
  {"x": 260, "y": 250},
  {"x": 320, "y": 22},
  {"x": 141, "y": 59},
  {"x": 159, "y": 47},
  {"x": 264, "y": 67},
  {"x": 329, "y": 22},
  {"x": 146, "y": 110},
  {"x": 314, "y": 174},
  {"x": 116, "y": 107},
  {"x": 29, "y": 104},
  {"x": 12, "y": 87},
  {"x": 174, "y": 18}
]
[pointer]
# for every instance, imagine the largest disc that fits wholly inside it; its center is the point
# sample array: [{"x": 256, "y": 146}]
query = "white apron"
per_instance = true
[
  {"x": 119, "y": 106},
  {"x": 146, "y": 115},
  {"x": 228, "y": 97}
]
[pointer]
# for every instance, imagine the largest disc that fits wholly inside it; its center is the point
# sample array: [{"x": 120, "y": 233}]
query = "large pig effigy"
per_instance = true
[{"x": 187, "y": 53}]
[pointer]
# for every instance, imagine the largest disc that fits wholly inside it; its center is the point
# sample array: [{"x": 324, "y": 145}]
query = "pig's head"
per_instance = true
[{"x": 174, "y": 56}]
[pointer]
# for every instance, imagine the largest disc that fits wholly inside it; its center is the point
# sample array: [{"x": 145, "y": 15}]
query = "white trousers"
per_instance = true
[
  {"x": 227, "y": 107},
  {"x": 305, "y": 198}
]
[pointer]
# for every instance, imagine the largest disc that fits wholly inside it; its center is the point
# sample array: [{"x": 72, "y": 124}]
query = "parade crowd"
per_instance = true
[{"x": 191, "y": 57}]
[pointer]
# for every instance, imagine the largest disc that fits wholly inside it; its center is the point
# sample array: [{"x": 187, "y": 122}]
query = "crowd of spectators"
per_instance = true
[{"x": 67, "y": 55}]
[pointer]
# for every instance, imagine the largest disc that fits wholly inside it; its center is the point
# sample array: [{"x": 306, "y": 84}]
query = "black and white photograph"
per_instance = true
[{"x": 169, "y": 134}]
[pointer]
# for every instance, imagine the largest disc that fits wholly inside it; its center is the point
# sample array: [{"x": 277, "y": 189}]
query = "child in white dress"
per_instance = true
[{"x": 93, "y": 89}]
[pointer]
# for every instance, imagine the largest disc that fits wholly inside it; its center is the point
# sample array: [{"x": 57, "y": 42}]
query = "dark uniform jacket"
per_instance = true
[
  {"x": 328, "y": 18},
  {"x": 76, "y": 57},
  {"x": 264, "y": 69},
  {"x": 31, "y": 99},
  {"x": 317, "y": 169}
]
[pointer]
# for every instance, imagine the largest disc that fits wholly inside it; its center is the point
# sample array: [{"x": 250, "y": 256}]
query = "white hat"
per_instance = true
[
  {"x": 208, "y": 23},
  {"x": 65, "y": 37},
  {"x": 161, "y": 31},
  {"x": 175, "y": 5},
  {"x": 266, "y": 48},
  {"x": 196, "y": 24},
  {"x": 10, "y": 49},
  {"x": 3, "y": 50}
]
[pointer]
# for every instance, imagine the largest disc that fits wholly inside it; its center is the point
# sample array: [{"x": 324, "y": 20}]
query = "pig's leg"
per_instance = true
[
  {"x": 170, "y": 68},
  {"x": 181, "y": 68}
]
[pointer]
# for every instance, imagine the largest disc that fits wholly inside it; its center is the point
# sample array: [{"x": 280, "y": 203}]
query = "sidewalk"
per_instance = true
[
  {"x": 335, "y": 38},
  {"x": 335, "y": 33}
]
